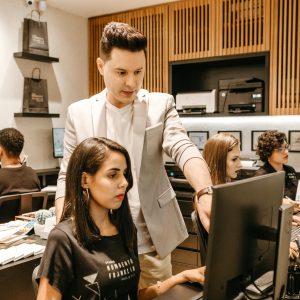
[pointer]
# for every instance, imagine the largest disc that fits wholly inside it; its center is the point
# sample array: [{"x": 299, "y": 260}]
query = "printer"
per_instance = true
[
  {"x": 241, "y": 95},
  {"x": 199, "y": 103}
]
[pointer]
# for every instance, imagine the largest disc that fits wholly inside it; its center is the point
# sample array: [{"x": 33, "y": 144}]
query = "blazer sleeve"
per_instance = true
[
  {"x": 70, "y": 142},
  {"x": 176, "y": 142}
]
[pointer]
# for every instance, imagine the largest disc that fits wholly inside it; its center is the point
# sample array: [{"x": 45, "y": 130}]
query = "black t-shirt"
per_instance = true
[
  {"x": 18, "y": 180},
  {"x": 107, "y": 272},
  {"x": 291, "y": 182}
]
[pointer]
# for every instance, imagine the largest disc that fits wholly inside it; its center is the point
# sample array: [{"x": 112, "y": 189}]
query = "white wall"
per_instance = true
[
  {"x": 67, "y": 80},
  {"x": 246, "y": 125}
]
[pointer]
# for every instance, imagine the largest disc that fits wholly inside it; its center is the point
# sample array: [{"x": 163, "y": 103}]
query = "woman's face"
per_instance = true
[
  {"x": 280, "y": 155},
  {"x": 107, "y": 187},
  {"x": 233, "y": 163}
]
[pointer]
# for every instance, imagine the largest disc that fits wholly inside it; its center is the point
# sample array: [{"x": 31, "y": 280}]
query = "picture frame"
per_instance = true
[
  {"x": 199, "y": 138},
  {"x": 235, "y": 133},
  {"x": 294, "y": 140},
  {"x": 254, "y": 136}
]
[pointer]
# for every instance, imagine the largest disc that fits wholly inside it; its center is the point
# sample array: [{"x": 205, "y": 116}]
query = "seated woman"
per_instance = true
[
  {"x": 15, "y": 177},
  {"x": 273, "y": 151},
  {"x": 92, "y": 252},
  {"x": 222, "y": 154}
]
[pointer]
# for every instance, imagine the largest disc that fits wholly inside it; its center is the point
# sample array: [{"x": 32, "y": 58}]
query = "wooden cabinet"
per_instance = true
[
  {"x": 285, "y": 58},
  {"x": 191, "y": 29},
  {"x": 203, "y": 29}
]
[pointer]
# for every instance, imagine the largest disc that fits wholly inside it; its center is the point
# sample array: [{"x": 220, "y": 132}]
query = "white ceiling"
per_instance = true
[{"x": 92, "y": 8}]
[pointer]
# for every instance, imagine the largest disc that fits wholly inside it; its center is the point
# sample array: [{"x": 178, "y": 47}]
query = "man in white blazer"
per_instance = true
[{"x": 148, "y": 125}]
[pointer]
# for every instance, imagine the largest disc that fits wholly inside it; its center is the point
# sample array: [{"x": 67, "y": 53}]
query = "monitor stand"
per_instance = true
[{"x": 282, "y": 255}]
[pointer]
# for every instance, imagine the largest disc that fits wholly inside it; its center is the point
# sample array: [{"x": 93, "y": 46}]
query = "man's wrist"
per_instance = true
[{"x": 207, "y": 190}]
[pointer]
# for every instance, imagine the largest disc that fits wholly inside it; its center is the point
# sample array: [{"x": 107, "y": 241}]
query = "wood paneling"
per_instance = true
[
  {"x": 191, "y": 30},
  {"x": 242, "y": 26},
  {"x": 285, "y": 58}
]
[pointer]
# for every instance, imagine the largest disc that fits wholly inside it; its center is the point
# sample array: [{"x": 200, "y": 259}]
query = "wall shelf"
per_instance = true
[
  {"x": 35, "y": 115},
  {"x": 42, "y": 58}
]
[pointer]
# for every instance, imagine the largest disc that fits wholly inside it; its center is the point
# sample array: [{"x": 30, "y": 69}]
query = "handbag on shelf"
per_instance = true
[
  {"x": 35, "y": 36},
  {"x": 35, "y": 94}
]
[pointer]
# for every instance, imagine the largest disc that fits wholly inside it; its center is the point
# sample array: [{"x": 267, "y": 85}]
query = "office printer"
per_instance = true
[
  {"x": 241, "y": 95},
  {"x": 199, "y": 102}
]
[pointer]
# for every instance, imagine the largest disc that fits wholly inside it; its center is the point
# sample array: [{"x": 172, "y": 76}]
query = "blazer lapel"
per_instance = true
[
  {"x": 98, "y": 114},
  {"x": 139, "y": 126}
]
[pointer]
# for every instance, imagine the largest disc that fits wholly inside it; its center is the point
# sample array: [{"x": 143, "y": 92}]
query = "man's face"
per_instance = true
[{"x": 123, "y": 75}]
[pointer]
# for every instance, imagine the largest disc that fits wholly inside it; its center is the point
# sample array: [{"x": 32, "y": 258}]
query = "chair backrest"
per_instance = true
[
  {"x": 202, "y": 234},
  {"x": 34, "y": 282},
  {"x": 16, "y": 204},
  {"x": 9, "y": 207}
]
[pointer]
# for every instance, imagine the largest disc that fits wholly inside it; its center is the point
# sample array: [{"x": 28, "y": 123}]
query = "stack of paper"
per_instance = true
[{"x": 20, "y": 251}]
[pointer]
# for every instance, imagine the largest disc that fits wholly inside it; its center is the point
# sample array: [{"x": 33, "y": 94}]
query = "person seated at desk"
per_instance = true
[
  {"x": 222, "y": 154},
  {"x": 15, "y": 177},
  {"x": 92, "y": 252},
  {"x": 272, "y": 149}
]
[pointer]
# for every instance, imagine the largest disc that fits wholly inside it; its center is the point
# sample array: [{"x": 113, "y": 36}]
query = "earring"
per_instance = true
[
  {"x": 111, "y": 211},
  {"x": 87, "y": 194}
]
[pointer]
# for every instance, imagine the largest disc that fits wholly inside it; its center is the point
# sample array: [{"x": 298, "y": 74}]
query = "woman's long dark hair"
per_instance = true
[{"x": 88, "y": 157}]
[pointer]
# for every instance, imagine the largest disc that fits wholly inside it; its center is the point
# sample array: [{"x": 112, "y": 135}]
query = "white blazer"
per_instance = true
[{"x": 156, "y": 129}]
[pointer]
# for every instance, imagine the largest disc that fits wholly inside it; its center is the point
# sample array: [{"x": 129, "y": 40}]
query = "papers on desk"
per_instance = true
[
  {"x": 23, "y": 250},
  {"x": 15, "y": 230}
]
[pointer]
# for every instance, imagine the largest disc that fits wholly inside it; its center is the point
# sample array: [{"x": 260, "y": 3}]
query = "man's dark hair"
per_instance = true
[
  {"x": 12, "y": 140},
  {"x": 88, "y": 157},
  {"x": 267, "y": 142},
  {"x": 122, "y": 36}
]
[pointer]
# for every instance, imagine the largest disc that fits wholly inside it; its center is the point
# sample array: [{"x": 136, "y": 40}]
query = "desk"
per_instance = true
[
  {"x": 181, "y": 292},
  {"x": 48, "y": 176},
  {"x": 15, "y": 277}
]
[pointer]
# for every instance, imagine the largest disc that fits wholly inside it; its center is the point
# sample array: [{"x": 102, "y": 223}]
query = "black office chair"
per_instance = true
[
  {"x": 16, "y": 204},
  {"x": 35, "y": 285},
  {"x": 202, "y": 234}
]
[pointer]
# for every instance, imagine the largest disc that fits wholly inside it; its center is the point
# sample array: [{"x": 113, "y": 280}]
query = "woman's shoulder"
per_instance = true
[
  {"x": 289, "y": 169},
  {"x": 62, "y": 229}
]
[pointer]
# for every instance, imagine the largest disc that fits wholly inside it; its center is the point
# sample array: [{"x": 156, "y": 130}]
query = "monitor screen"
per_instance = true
[
  {"x": 243, "y": 234},
  {"x": 58, "y": 142}
]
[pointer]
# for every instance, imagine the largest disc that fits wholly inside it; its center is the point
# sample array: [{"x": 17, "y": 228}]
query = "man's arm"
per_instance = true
[
  {"x": 59, "y": 205},
  {"x": 196, "y": 172}
]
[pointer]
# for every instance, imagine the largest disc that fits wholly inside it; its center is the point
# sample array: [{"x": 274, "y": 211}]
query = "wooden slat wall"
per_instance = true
[
  {"x": 242, "y": 26},
  {"x": 191, "y": 30},
  {"x": 153, "y": 23},
  {"x": 285, "y": 58},
  {"x": 96, "y": 26}
]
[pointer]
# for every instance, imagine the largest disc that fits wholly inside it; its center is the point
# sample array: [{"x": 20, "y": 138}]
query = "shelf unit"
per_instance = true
[
  {"x": 35, "y": 115},
  {"x": 36, "y": 57}
]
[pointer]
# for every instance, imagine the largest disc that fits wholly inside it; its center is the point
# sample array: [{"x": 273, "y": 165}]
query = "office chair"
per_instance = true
[
  {"x": 16, "y": 204},
  {"x": 202, "y": 234},
  {"x": 35, "y": 285}
]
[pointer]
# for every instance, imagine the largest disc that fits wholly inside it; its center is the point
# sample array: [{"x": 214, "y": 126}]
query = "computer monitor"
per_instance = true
[
  {"x": 243, "y": 238},
  {"x": 58, "y": 142}
]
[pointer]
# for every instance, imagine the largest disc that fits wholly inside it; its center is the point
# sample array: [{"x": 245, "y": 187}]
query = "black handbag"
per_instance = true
[
  {"x": 35, "y": 36},
  {"x": 35, "y": 95}
]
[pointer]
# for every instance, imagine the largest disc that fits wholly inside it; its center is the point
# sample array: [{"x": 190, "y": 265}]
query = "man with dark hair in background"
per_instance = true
[{"x": 15, "y": 177}]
